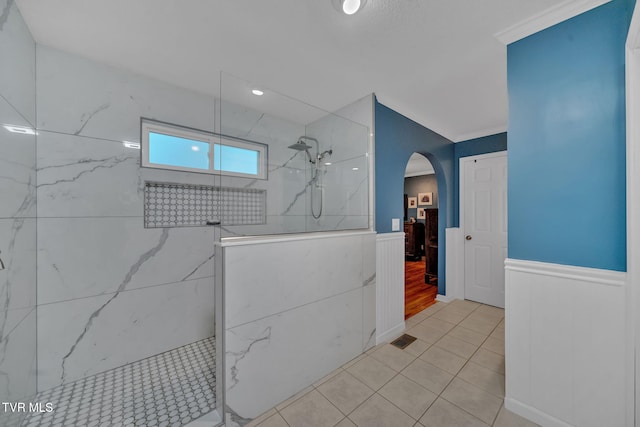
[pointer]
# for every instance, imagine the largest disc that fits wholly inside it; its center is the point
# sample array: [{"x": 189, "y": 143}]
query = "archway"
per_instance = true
[{"x": 421, "y": 206}]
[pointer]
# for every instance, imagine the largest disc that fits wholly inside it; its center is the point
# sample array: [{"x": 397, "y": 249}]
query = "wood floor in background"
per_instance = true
[{"x": 417, "y": 294}]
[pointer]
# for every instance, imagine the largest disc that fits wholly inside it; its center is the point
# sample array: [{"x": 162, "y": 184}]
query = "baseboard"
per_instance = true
[
  {"x": 444, "y": 298},
  {"x": 391, "y": 334},
  {"x": 532, "y": 414}
]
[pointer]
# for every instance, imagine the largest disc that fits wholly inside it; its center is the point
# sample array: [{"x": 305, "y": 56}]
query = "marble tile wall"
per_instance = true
[
  {"x": 111, "y": 292},
  {"x": 17, "y": 211},
  {"x": 305, "y": 307},
  {"x": 345, "y": 184}
]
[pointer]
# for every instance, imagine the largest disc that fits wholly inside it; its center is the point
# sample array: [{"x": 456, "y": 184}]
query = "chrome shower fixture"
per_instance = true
[
  {"x": 316, "y": 177},
  {"x": 301, "y": 145}
]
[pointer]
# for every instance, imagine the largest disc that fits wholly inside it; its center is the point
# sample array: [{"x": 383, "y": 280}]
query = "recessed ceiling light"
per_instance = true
[
  {"x": 355, "y": 169},
  {"x": 195, "y": 148},
  {"x": 327, "y": 164},
  {"x": 20, "y": 129},
  {"x": 257, "y": 92},
  {"x": 129, "y": 144},
  {"x": 349, "y": 7}
]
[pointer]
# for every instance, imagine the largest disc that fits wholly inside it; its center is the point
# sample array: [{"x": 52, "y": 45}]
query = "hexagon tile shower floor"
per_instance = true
[{"x": 168, "y": 389}]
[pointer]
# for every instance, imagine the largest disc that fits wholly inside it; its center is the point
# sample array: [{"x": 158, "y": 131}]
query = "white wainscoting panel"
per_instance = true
[
  {"x": 566, "y": 346},
  {"x": 390, "y": 286},
  {"x": 455, "y": 263}
]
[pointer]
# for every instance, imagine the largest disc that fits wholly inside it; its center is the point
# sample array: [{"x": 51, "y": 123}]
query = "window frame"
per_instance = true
[{"x": 211, "y": 138}]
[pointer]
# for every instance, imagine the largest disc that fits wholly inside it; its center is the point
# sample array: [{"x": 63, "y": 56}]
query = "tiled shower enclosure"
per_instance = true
[{"x": 88, "y": 295}]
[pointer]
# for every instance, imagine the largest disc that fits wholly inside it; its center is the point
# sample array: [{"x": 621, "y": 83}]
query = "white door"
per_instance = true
[{"x": 483, "y": 210}]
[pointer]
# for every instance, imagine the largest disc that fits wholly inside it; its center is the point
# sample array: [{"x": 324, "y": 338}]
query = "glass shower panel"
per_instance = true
[
  {"x": 17, "y": 218},
  {"x": 317, "y": 178}
]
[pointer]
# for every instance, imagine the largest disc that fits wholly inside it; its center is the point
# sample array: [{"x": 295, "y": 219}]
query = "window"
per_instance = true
[{"x": 173, "y": 147}]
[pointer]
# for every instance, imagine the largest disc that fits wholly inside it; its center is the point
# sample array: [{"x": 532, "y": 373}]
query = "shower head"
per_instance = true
[{"x": 300, "y": 146}]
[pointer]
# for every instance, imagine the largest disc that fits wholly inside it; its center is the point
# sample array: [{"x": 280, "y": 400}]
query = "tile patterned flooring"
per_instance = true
[
  {"x": 452, "y": 375},
  {"x": 168, "y": 389}
]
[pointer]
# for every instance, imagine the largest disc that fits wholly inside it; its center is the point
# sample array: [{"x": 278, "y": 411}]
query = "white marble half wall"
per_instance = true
[{"x": 296, "y": 308}]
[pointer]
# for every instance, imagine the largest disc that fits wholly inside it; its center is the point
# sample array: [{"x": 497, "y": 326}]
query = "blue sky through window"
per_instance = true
[
  {"x": 235, "y": 159},
  {"x": 172, "y": 150}
]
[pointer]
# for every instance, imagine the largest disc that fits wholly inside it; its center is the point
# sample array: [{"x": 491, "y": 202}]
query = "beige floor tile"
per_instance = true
[
  {"x": 426, "y": 333},
  {"x": 444, "y": 359},
  {"x": 489, "y": 360},
  {"x": 463, "y": 309},
  {"x": 478, "y": 325},
  {"x": 371, "y": 372},
  {"x": 407, "y": 395},
  {"x": 256, "y": 421},
  {"x": 472, "y": 399},
  {"x": 345, "y": 392},
  {"x": 484, "y": 318},
  {"x": 465, "y": 303},
  {"x": 432, "y": 309},
  {"x": 274, "y": 421},
  {"x": 484, "y": 378},
  {"x": 506, "y": 418},
  {"x": 372, "y": 349},
  {"x": 457, "y": 346},
  {"x": 427, "y": 375},
  {"x": 417, "y": 347},
  {"x": 411, "y": 322},
  {"x": 445, "y": 414},
  {"x": 356, "y": 360},
  {"x": 393, "y": 357},
  {"x": 346, "y": 423},
  {"x": 293, "y": 398},
  {"x": 421, "y": 315},
  {"x": 312, "y": 410},
  {"x": 491, "y": 311},
  {"x": 329, "y": 376},
  {"x": 498, "y": 332},
  {"x": 439, "y": 324},
  {"x": 467, "y": 335},
  {"x": 494, "y": 344},
  {"x": 450, "y": 316},
  {"x": 379, "y": 412}
]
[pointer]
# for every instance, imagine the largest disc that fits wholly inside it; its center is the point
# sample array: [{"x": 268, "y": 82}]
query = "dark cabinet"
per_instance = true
[
  {"x": 413, "y": 239},
  {"x": 431, "y": 245}
]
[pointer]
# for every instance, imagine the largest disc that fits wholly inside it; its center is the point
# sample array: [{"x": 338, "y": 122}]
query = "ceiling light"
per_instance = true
[
  {"x": 20, "y": 129},
  {"x": 257, "y": 92},
  {"x": 195, "y": 148},
  {"x": 129, "y": 144},
  {"x": 327, "y": 164},
  {"x": 349, "y": 7},
  {"x": 354, "y": 169}
]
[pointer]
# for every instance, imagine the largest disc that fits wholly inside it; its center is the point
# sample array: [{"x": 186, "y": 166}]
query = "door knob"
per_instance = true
[{"x": 468, "y": 237}]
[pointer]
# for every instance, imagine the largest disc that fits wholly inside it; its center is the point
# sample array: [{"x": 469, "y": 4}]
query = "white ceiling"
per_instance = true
[{"x": 435, "y": 61}]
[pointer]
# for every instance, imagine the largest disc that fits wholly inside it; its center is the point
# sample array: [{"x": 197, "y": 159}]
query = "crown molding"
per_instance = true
[
  {"x": 480, "y": 133},
  {"x": 547, "y": 18}
]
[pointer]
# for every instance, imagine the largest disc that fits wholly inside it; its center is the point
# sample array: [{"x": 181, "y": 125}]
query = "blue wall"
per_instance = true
[
  {"x": 472, "y": 147},
  {"x": 397, "y": 138},
  {"x": 567, "y": 141}
]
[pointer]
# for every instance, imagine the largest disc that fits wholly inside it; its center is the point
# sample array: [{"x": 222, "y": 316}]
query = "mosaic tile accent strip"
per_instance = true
[
  {"x": 168, "y": 389},
  {"x": 184, "y": 205}
]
